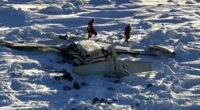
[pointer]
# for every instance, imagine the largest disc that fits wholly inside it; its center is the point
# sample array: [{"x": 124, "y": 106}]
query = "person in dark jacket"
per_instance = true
[
  {"x": 91, "y": 29},
  {"x": 127, "y": 31}
]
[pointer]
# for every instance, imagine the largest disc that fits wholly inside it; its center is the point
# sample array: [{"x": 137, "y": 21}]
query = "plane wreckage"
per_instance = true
[{"x": 87, "y": 55}]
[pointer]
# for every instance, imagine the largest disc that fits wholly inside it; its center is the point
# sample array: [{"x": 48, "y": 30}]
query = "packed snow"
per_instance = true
[{"x": 36, "y": 80}]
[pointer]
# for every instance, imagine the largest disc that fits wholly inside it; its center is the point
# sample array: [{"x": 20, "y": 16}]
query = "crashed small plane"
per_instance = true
[{"x": 87, "y": 54}]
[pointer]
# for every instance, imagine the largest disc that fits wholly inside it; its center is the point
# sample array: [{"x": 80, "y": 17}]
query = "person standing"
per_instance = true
[
  {"x": 90, "y": 29},
  {"x": 127, "y": 31}
]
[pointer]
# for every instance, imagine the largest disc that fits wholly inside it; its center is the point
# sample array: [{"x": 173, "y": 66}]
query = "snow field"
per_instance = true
[{"x": 34, "y": 80}]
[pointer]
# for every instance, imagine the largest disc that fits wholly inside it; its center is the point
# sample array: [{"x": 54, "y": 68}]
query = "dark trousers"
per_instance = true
[
  {"x": 91, "y": 32},
  {"x": 127, "y": 37}
]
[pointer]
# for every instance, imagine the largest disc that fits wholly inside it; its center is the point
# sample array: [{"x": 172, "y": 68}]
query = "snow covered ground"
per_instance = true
[{"x": 33, "y": 80}]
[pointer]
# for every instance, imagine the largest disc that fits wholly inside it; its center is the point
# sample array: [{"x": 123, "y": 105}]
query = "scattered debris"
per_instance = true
[
  {"x": 76, "y": 85},
  {"x": 95, "y": 100},
  {"x": 63, "y": 37},
  {"x": 84, "y": 84},
  {"x": 149, "y": 85},
  {"x": 13, "y": 74},
  {"x": 106, "y": 101},
  {"x": 67, "y": 76},
  {"x": 137, "y": 104},
  {"x": 117, "y": 81}
]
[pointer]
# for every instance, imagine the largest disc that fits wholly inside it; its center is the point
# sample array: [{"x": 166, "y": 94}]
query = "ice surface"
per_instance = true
[{"x": 34, "y": 80}]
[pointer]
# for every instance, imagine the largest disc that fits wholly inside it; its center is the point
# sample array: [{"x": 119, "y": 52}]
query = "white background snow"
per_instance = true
[{"x": 30, "y": 79}]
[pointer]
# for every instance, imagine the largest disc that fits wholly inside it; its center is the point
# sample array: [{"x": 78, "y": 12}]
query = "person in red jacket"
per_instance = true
[
  {"x": 127, "y": 31},
  {"x": 91, "y": 29}
]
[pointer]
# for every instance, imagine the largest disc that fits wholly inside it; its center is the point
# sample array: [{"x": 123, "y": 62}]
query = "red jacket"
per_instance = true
[
  {"x": 127, "y": 29},
  {"x": 90, "y": 24}
]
